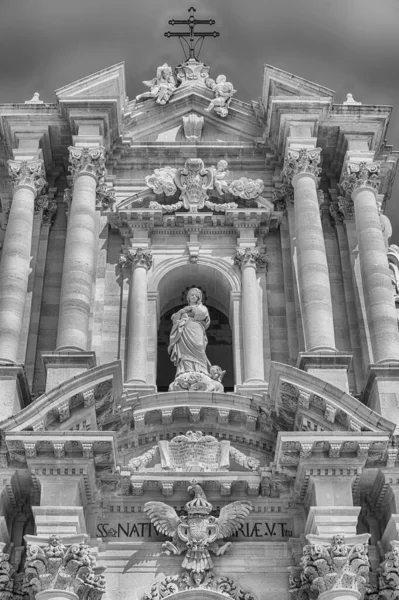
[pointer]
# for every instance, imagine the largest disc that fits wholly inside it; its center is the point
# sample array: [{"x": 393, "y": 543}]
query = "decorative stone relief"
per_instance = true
[
  {"x": 250, "y": 256},
  {"x": 304, "y": 160},
  {"x": 193, "y": 450},
  {"x": 194, "y": 181},
  {"x": 393, "y": 261},
  {"x": 161, "y": 87},
  {"x": 141, "y": 257},
  {"x": 339, "y": 565},
  {"x": 283, "y": 196},
  {"x": 56, "y": 567},
  {"x": 224, "y": 91},
  {"x": 192, "y": 126},
  {"x": 197, "y": 581},
  {"x": 105, "y": 196},
  {"x": 29, "y": 173},
  {"x": 195, "y": 382},
  {"x": 361, "y": 175},
  {"x": 197, "y": 534},
  {"x": 87, "y": 160},
  {"x": 346, "y": 208},
  {"x": 192, "y": 71}
]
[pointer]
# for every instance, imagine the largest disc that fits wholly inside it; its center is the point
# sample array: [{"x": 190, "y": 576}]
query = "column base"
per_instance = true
[
  {"x": 332, "y": 520},
  {"x": 381, "y": 391},
  {"x": 142, "y": 389},
  {"x": 60, "y": 520},
  {"x": 14, "y": 390},
  {"x": 328, "y": 366},
  {"x": 61, "y": 367}
]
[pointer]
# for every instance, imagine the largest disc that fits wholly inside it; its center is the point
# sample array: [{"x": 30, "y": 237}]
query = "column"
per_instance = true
[
  {"x": 87, "y": 166},
  {"x": 141, "y": 261},
  {"x": 301, "y": 168},
  {"x": 361, "y": 182},
  {"x": 249, "y": 259},
  {"x": 27, "y": 180}
]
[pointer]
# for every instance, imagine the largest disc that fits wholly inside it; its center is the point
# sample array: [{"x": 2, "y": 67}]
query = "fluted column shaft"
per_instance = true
[
  {"x": 27, "y": 178},
  {"x": 141, "y": 261},
  {"x": 87, "y": 169},
  {"x": 301, "y": 168},
  {"x": 362, "y": 183},
  {"x": 251, "y": 311}
]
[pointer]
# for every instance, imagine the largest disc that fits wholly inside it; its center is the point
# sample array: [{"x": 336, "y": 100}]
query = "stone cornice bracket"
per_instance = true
[
  {"x": 136, "y": 257},
  {"x": 89, "y": 161},
  {"x": 252, "y": 257},
  {"x": 340, "y": 564},
  {"x": 27, "y": 174},
  {"x": 58, "y": 567},
  {"x": 361, "y": 175},
  {"x": 300, "y": 162}
]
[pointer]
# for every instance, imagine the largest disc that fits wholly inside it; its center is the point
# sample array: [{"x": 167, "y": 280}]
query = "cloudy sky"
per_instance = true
[{"x": 346, "y": 45}]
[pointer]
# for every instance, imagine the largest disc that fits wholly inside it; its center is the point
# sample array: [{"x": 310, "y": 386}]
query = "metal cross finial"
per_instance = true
[{"x": 191, "y": 42}]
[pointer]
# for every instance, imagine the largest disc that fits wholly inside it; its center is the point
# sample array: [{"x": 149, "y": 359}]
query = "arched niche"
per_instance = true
[{"x": 216, "y": 277}]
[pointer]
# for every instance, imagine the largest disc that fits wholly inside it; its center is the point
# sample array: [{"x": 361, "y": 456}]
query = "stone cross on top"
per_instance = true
[{"x": 191, "y": 43}]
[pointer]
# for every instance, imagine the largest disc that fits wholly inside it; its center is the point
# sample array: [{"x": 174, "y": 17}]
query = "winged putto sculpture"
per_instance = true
[{"x": 198, "y": 533}]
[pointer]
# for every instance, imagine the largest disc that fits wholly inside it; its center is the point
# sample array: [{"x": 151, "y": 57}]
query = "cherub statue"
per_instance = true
[
  {"x": 197, "y": 533},
  {"x": 161, "y": 87},
  {"x": 216, "y": 373},
  {"x": 224, "y": 91},
  {"x": 220, "y": 174}
]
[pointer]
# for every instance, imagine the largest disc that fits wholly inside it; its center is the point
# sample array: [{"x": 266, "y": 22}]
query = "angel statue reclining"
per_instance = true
[
  {"x": 187, "y": 345},
  {"x": 161, "y": 87},
  {"x": 197, "y": 534}
]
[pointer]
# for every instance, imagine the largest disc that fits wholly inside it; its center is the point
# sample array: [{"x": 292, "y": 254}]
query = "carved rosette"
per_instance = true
[
  {"x": 304, "y": 160},
  {"x": 336, "y": 566},
  {"x": 87, "y": 160},
  {"x": 137, "y": 257},
  {"x": 57, "y": 567},
  {"x": 27, "y": 173},
  {"x": 250, "y": 257},
  {"x": 359, "y": 175}
]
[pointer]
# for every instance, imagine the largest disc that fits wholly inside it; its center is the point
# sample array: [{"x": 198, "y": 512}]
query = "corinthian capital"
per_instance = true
[
  {"x": 87, "y": 160},
  {"x": 304, "y": 160},
  {"x": 27, "y": 173},
  {"x": 250, "y": 257},
  {"x": 360, "y": 175},
  {"x": 339, "y": 565},
  {"x": 137, "y": 257}
]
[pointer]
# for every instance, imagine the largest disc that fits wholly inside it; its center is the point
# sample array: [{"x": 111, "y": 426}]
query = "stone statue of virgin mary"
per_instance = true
[{"x": 187, "y": 345}]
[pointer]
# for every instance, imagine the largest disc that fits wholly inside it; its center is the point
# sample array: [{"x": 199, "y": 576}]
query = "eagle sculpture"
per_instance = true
[{"x": 197, "y": 533}]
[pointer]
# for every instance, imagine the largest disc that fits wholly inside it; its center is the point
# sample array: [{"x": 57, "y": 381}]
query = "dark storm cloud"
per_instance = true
[{"x": 346, "y": 45}]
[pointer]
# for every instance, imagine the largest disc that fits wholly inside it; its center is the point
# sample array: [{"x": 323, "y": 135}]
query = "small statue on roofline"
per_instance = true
[{"x": 161, "y": 87}]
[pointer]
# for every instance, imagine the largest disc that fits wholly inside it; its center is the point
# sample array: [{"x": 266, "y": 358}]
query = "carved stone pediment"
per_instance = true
[{"x": 192, "y": 452}]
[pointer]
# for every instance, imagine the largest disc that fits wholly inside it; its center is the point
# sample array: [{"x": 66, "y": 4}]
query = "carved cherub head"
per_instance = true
[
  {"x": 221, "y": 79},
  {"x": 216, "y": 373},
  {"x": 221, "y": 166}
]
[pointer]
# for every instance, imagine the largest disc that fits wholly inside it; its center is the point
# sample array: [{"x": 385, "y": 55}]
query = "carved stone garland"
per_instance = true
[
  {"x": 194, "y": 581},
  {"x": 56, "y": 567}
]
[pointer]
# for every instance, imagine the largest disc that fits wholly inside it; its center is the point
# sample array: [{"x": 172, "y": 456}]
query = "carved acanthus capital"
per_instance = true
[
  {"x": 56, "y": 566},
  {"x": 304, "y": 160},
  {"x": 7, "y": 575},
  {"x": 250, "y": 257},
  {"x": 387, "y": 587},
  {"x": 359, "y": 175},
  {"x": 137, "y": 257},
  {"x": 105, "y": 197},
  {"x": 27, "y": 173},
  {"x": 87, "y": 160},
  {"x": 346, "y": 208},
  {"x": 282, "y": 197},
  {"x": 339, "y": 565}
]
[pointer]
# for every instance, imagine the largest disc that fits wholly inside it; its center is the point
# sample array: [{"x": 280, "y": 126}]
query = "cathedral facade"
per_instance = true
[{"x": 199, "y": 345}]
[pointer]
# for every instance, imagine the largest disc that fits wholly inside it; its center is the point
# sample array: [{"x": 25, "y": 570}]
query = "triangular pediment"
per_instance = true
[{"x": 148, "y": 121}]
